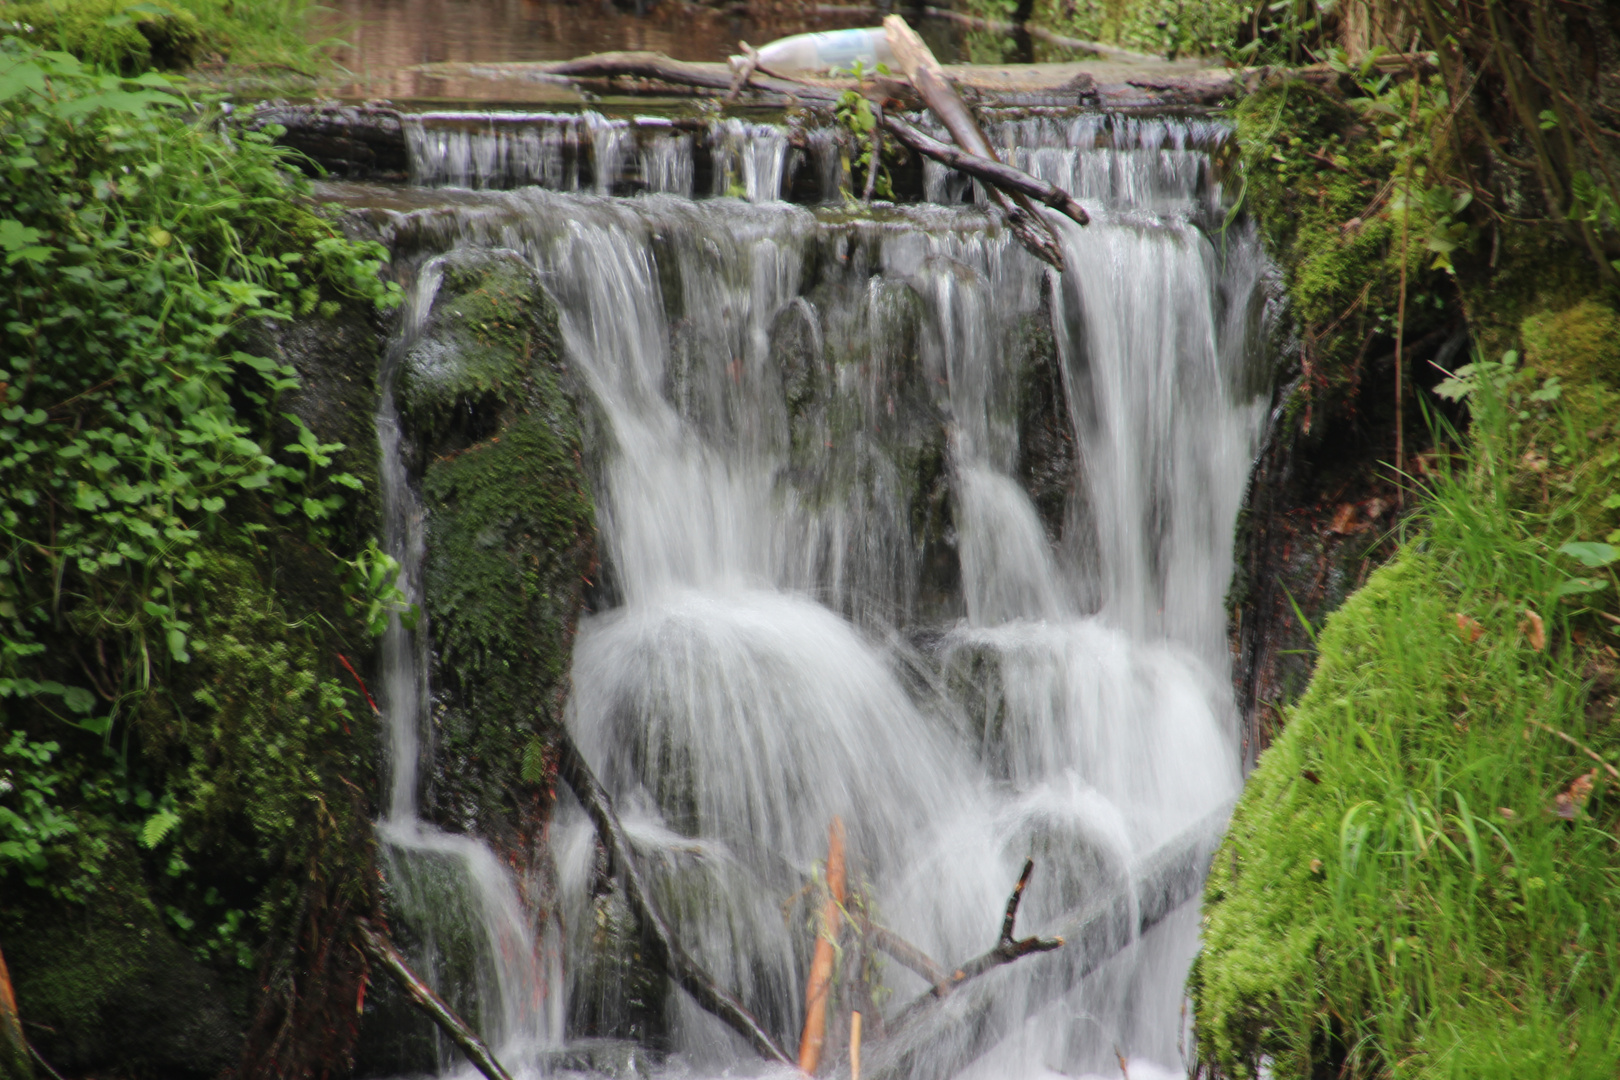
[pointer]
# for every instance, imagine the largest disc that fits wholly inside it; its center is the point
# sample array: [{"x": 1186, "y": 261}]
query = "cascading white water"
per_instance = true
[
  {"x": 758, "y": 507},
  {"x": 477, "y": 947}
]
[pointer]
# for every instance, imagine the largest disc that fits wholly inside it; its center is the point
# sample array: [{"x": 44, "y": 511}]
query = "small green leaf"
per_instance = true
[
  {"x": 1590, "y": 553},
  {"x": 177, "y": 646},
  {"x": 78, "y": 699},
  {"x": 1580, "y": 586}
]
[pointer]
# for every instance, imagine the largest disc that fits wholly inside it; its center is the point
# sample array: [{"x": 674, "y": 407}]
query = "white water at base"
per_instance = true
[{"x": 755, "y": 680}]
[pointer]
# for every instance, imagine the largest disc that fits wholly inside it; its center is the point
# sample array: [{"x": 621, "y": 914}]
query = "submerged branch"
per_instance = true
[
  {"x": 667, "y": 952},
  {"x": 382, "y": 950}
]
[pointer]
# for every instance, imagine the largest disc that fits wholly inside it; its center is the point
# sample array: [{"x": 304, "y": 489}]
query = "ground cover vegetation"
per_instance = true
[
  {"x": 186, "y": 567},
  {"x": 1420, "y": 876},
  {"x": 130, "y": 37}
]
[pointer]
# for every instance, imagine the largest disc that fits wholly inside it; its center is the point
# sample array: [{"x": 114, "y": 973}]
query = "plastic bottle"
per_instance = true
[{"x": 816, "y": 53}]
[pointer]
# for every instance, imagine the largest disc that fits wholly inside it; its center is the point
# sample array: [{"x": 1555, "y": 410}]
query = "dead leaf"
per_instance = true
[
  {"x": 1310, "y": 775},
  {"x": 1534, "y": 462},
  {"x": 1316, "y": 866},
  {"x": 1471, "y": 628},
  {"x": 1351, "y": 227},
  {"x": 1569, "y": 803},
  {"x": 1375, "y": 508},
  {"x": 1507, "y": 812},
  {"x": 1344, "y": 519},
  {"x": 1534, "y": 629}
]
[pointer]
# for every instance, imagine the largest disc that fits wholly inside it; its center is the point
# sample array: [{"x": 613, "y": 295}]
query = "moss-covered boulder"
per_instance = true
[
  {"x": 495, "y": 413},
  {"x": 1418, "y": 878}
]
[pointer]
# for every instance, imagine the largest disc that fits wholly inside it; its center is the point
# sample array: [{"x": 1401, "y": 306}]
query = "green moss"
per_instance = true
[
  {"x": 127, "y": 36},
  {"x": 1580, "y": 344},
  {"x": 113, "y": 976},
  {"x": 509, "y": 517},
  {"x": 491, "y": 328},
  {"x": 510, "y": 533},
  {"x": 1330, "y": 229},
  {"x": 1398, "y": 894}
]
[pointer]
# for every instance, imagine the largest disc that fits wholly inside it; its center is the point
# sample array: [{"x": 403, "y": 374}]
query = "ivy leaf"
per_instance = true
[
  {"x": 158, "y": 826},
  {"x": 78, "y": 699}
]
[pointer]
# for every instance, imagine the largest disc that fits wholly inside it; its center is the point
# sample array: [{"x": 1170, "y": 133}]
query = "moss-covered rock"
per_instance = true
[
  {"x": 510, "y": 541},
  {"x": 1415, "y": 875},
  {"x": 1316, "y": 177}
]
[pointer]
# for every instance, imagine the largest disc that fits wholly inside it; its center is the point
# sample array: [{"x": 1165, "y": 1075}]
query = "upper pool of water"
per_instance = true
[{"x": 385, "y": 42}]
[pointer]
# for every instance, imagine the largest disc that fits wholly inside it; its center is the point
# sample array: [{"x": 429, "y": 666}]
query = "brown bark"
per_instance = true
[
  {"x": 992, "y": 173},
  {"x": 1006, "y": 950}
]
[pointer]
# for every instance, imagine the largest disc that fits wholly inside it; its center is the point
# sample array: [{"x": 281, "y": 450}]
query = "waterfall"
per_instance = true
[
  {"x": 835, "y": 594},
  {"x": 476, "y": 947}
]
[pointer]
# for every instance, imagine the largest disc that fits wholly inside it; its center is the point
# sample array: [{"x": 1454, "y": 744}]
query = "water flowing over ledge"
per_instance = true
[{"x": 900, "y": 528}]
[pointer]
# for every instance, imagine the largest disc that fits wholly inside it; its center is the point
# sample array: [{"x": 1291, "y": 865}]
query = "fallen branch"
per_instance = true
[
  {"x": 667, "y": 952},
  {"x": 1007, "y": 949},
  {"x": 382, "y": 950},
  {"x": 929, "y": 80},
  {"x": 990, "y": 172}
]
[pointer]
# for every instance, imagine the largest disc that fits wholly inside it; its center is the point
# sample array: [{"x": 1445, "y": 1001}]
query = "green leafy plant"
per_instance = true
[{"x": 140, "y": 244}]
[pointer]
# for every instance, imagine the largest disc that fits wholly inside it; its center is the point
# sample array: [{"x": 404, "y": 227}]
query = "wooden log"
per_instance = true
[
  {"x": 928, "y": 78},
  {"x": 854, "y": 1046},
  {"x": 665, "y": 950},
  {"x": 376, "y": 943},
  {"x": 819, "y": 986},
  {"x": 14, "y": 1055}
]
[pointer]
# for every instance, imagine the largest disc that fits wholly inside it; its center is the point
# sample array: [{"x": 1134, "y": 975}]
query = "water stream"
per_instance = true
[{"x": 784, "y": 388}]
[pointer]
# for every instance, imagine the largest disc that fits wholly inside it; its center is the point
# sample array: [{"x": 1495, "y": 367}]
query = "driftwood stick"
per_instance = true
[
  {"x": 925, "y": 74},
  {"x": 666, "y": 951},
  {"x": 983, "y": 167},
  {"x": 1006, "y": 950},
  {"x": 992, "y": 173},
  {"x": 819, "y": 986},
  {"x": 382, "y": 950}
]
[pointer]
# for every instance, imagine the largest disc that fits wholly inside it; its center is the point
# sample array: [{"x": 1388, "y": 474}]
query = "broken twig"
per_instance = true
[
  {"x": 929, "y": 80},
  {"x": 1006, "y": 950}
]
